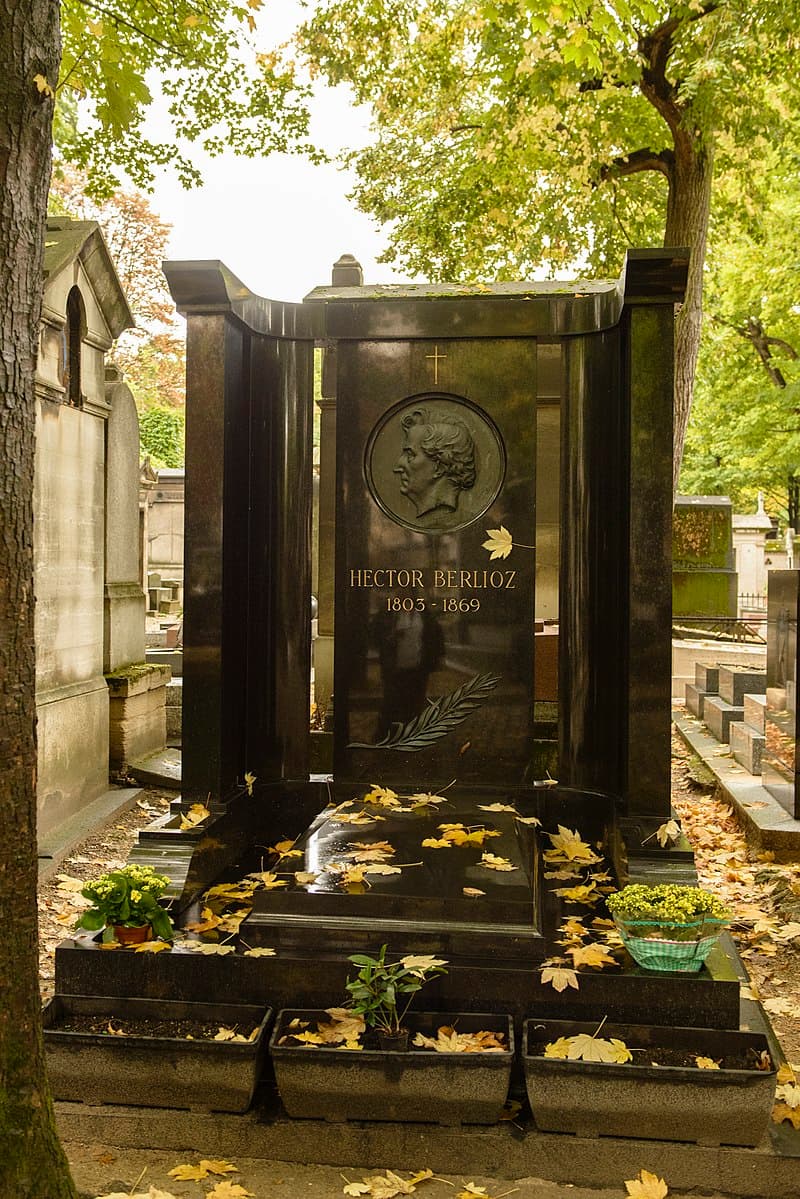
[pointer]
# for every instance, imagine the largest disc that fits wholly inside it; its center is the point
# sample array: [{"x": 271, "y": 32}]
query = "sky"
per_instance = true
[{"x": 278, "y": 223}]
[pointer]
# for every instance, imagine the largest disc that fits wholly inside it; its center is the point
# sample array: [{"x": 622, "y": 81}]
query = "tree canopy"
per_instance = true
[
  {"x": 202, "y": 60},
  {"x": 510, "y": 138}
]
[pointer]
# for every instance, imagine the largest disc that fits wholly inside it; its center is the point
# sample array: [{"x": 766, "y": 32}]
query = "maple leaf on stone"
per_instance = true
[
  {"x": 585, "y": 894},
  {"x": 196, "y": 814},
  {"x": 646, "y": 1186},
  {"x": 229, "y": 1190},
  {"x": 499, "y": 543},
  {"x": 384, "y": 796},
  {"x": 593, "y": 955},
  {"x": 472, "y": 892},
  {"x": 569, "y": 846},
  {"x": 205, "y": 924},
  {"x": 261, "y": 951},
  {"x": 493, "y": 862},
  {"x": 559, "y": 977},
  {"x": 152, "y": 947},
  {"x": 497, "y": 807},
  {"x": 423, "y": 799},
  {"x": 268, "y": 879},
  {"x": 380, "y": 868},
  {"x": 304, "y": 878},
  {"x": 667, "y": 832}
]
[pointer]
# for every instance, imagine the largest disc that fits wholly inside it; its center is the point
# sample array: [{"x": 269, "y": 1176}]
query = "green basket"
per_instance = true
[{"x": 663, "y": 945}]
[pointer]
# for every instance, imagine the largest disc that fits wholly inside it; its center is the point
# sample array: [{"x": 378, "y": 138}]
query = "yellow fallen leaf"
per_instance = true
[
  {"x": 267, "y": 879},
  {"x": 669, "y": 831},
  {"x": 586, "y": 1048},
  {"x": 229, "y": 1190},
  {"x": 380, "y": 868},
  {"x": 260, "y": 951},
  {"x": 383, "y": 796},
  {"x": 531, "y": 819},
  {"x": 569, "y": 846},
  {"x": 646, "y": 1186},
  {"x": 42, "y": 86},
  {"x": 498, "y": 807},
  {"x": 196, "y": 814},
  {"x": 424, "y": 799},
  {"x": 219, "y": 1166},
  {"x": 67, "y": 883},
  {"x": 249, "y": 781},
  {"x": 591, "y": 955},
  {"x": 388, "y": 1185},
  {"x": 206, "y": 923},
  {"x": 188, "y": 1173},
  {"x": 209, "y": 948},
  {"x": 115, "y": 1032},
  {"x": 436, "y": 843},
  {"x": 493, "y": 862},
  {"x": 586, "y": 894},
  {"x": 152, "y": 947},
  {"x": 472, "y": 891},
  {"x": 785, "y": 1074},
  {"x": 560, "y": 977},
  {"x": 499, "y": 543},
  {"x": 706, "y": 1063}
]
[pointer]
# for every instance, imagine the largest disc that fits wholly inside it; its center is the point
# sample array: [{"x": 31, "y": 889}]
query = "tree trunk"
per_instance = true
[
  {"x": 688, "y": 208},
  {"x": 32, "y": 1164}
]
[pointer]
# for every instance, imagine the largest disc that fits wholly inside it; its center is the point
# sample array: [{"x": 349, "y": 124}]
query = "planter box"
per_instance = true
[
  {"x": 153, "y": 1071},
  {"x": 665, "y": 1103},
  {"x": 326, "y": 1083}
]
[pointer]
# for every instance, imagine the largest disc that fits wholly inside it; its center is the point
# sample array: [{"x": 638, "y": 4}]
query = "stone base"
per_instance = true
[
  {"x": 737, "y": 681},
  {"x": 718, "y": 715},
  {"x": 72, "y": 734},
  {"x": 137, "y": 712},
  {"x": 695, "y": 699},
  {"x": 746, "y": 744},
  {"x": 706, "y": 677},
  {"x": 174, "y": 711},
  {"x": 754, "y": 708}
]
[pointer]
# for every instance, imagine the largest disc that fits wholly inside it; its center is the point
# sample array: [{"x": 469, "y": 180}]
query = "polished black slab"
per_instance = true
[
  {"x": 779, "y": 755},
  {"x": 434, "y": 640}
]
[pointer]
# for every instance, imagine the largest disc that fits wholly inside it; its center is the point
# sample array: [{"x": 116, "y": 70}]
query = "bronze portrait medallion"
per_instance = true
[{"x": 434, "y": 463}]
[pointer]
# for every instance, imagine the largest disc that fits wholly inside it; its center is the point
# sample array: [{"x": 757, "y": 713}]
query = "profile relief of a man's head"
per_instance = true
[{"x": 437, "y": 460}]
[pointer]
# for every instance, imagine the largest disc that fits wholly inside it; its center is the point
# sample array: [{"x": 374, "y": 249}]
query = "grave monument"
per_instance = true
[{"x": 503, "y": 461}]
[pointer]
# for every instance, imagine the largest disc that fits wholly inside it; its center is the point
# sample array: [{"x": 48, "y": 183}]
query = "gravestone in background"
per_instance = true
[
  {"x": 703, "y": 574},
  {"x": 779, "y": 756}
]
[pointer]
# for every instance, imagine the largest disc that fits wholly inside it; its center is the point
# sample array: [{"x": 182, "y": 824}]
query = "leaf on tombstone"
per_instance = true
[
  {"x": 260, "y": 951},
  {"x": 568, "y": 845},
  {"x": 196, "y": 814},
  {"x": 382, "y": 846},
  {"x": 472, "y": 892},
  {"x": 573, "y": 927},
  {"x": 209, "y": 948},
  {"x": 304, "y": 878},
  {"x": 499, "y": 543},
  {"x": 586, "y": 1048},
  {"x": 380, "y": 868},
  {"x": 418, "y": 963},
  {"x": 497, "y": 807},
  {"x": 384, "y": 796},
  {"x": 267, "y": 879},
  {"x": 357, "y": 818},
  {"x": 706, "y": 1063},
  {"x": 534, "y": 820},
  {"x": 229, "y": 1190},
  {"x": 669, "y": 831},
  {"x": 231, "y": 922},
  {"x": 563, "y": 874},
  {"x": 249, "y": 781},
  {"x": 110, "y": 945},
  {"x": 585, "y": 894},
  {"x": 152, "y": 947},
  {"x": 205, "y": 924},
  {"x": 559, "y": 977},
  {"x": 646, "y": 1186},
  {"x": 436, "y": 843},
  {"x": 424, "y": 799},
  {"x": 491, "y": 861},
  {"x": 223, "y": 894},
  {"x": 593, "y": 955}
]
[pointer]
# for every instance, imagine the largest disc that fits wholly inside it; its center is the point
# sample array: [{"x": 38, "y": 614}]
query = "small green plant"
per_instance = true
[
  {"x": 673, "y": 902},
  {"x": 378, "y": 992},
  {"x": 127, "y": 897}
]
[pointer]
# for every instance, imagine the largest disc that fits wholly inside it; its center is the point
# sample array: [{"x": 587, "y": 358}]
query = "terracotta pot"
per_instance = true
[{"x": 136, "y": 935}]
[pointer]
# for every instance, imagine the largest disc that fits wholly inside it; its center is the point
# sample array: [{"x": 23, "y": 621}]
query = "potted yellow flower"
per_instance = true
[{"x": 125, "y": 904}]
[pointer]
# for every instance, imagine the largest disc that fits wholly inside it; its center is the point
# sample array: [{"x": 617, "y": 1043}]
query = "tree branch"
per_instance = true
[
  {"x": 753, "y": 332},
  {"x": 639, "y": 160}
]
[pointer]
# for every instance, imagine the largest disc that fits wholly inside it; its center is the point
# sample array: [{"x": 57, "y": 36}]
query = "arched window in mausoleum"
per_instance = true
[{"x": 73, "y": 335}]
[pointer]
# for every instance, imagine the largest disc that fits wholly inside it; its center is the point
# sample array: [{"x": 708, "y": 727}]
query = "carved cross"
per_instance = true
[{"x": 437, "y": 358}]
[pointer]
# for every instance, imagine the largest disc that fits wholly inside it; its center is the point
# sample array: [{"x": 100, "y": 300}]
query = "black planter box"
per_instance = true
[
  {"x": 154, "y": 1071},
  {"x": 638, "y": 1099},
  {"x": 324, "y": 1082}
]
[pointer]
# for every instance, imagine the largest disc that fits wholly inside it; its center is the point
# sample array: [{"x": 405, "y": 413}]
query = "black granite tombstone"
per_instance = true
[{"x": 779, "y": 756}]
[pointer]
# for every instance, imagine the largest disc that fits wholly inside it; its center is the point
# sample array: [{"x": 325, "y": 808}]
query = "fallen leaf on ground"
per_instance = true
[
  {"x": 260, "y": 951},
  {"x": 206, "y": 1166},
  {"x": 152, "y": 1193},
  {"x": 646, "y": 1186},
  {"x": 779, "y": 1005},
  {"x": 472, "y": 891},
  {"x": 386, "y": 1186},
  {"x": 229, "y": 1190}
]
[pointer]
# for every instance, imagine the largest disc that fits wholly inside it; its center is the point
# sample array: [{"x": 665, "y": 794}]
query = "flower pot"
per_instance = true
[
  {"x": 728, "y": 1106},
  {"x": 136, "y": 934},
  {"x": 393, "y": 1042},
  {"x": 153, "y": 1070},
  {"x": 323, "y": 1082},
  {"x": 665, "y": 945}
]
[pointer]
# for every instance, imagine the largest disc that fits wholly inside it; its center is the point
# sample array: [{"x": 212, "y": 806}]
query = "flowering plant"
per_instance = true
[
  {"x": 378, "y": 984},
  {"x": 127, "y": 897},
  {"x": 671, "y": 902}
]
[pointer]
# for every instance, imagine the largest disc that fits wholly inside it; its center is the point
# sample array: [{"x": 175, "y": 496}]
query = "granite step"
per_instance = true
[
  {"x": 706, "y": 677},
  {"x": 719, "y": 714},
  {"x": 737, "y": 681},
  {"x": 754, "y": 709},
  {"x": 695, "y": 699},
  {"x": 746, "y": 745}
]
